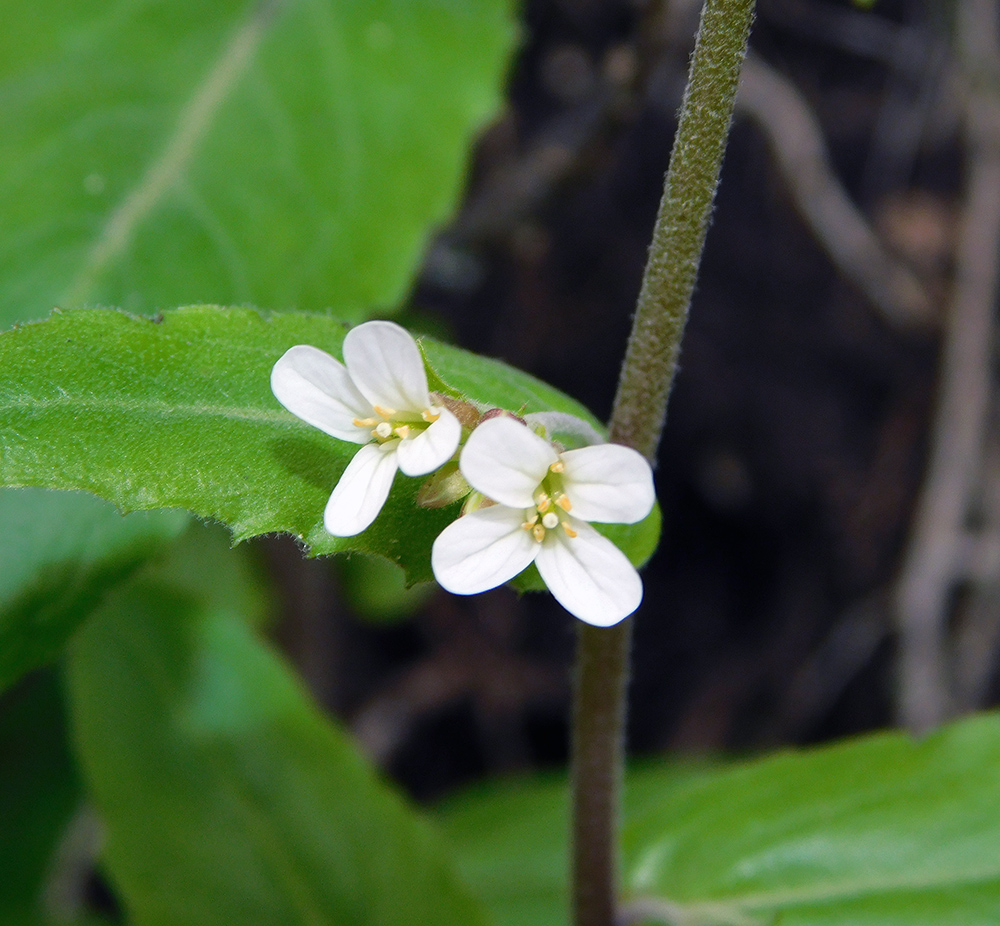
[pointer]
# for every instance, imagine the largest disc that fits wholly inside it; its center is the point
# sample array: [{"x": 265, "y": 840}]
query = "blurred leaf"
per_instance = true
[
  {"x": 376, "y": 589},
  {"x": 287, "y": 154},
  {"x": 39, "y": 791},
  {"x": 157, "y": 152},
  {"x": 60, "y": 551},
  {"x": 882, "y": 831},
  {"x": 510, "y": 838},
  {"x": 177, "y": 412},
  {"x": 227, "y": 797}
]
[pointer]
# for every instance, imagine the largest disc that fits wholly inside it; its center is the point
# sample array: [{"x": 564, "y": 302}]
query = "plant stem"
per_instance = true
[
  {"x": 597, "y": 762},
  {"x": 602, "y": 658},
  {"x": 679, "y": 235}
]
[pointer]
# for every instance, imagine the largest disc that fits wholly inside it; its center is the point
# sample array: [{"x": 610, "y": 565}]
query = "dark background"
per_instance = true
[{"x": 797, "y": 430}]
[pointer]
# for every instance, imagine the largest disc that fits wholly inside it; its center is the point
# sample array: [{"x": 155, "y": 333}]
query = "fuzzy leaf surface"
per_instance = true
[{"x": 177, "y": 412}]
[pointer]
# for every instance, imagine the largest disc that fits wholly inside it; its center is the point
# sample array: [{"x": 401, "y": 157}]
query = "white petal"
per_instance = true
[
  {"x": 559, "y": 425},
  {"x": 385, "y": 364},
  {"x": 506, "y": 461},
  {"x": 362, "y": 490},
  {"x": 608, "y": 483},
  {"x": 589, "y": 576},
  {"x": 482, "y": 550},
  {"x": 315, "y": 387},
  {"x": 432, "y": 448}
]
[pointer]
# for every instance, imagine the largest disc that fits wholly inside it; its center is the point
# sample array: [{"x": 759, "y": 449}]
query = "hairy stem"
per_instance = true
[
  {"x": 602, "y": 659},
  {"x": 681, "y": 223}
]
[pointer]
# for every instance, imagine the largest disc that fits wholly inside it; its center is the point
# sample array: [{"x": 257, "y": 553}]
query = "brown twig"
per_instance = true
[
  {"x": 932, "y": 560},
  {"x": 796, "y": 142}
]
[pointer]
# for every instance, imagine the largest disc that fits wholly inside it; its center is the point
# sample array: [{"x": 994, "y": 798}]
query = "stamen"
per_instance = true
[
  {"x": 430, "y": 415},
  {"x": 383, "y": 430},
  {"x": 543, "y": 502},
  {"x": 562, "y": 500},
  {"x": 403, "y": 431},
  {"x": 569, "y": 530},
  {"x": 551, "y": 520},
  {"x": 365, "y": 422},
  {"x": 539, "y": 532},
  {"x": 384, "y": 412},
  {"x": 558, "y": 466}
]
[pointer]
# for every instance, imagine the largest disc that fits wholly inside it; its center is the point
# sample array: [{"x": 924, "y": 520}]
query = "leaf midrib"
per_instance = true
[
  {"x": 193, "y": 124},
  {"x": 158, "y": 408}
]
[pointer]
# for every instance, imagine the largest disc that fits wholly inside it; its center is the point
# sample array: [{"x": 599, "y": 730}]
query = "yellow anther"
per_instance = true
[
  {"x": 403, "y": 431},
  {"x": 384, "y": 412},
  {"x": 539, "y": 532},
  {"x": 430, "y": 415},
  {"x": 569, "y": 530},
  {"x": 562, "y": 500},
  {"x": 543, "y": 502},
  {"x": 365, "y": 422},
  {"x": 558, "y": 466},
  {"x": 383, "y": 430}
]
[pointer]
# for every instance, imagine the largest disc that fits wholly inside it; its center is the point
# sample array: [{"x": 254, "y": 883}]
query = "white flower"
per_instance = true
[
  {"x": 544, "y": 500},
  {"x": 379, "y": 399}
]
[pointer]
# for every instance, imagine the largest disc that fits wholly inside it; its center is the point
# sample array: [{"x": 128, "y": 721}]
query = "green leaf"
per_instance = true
[
  {"x": 287, "y": 154},
  {"x": 60, "y": 552},
  {"x": 883, "y": 831},
  {"x": 39, "y": 791},
  {"x": 226, "y": 796},
  {"x": 177, "y": 412},
  {"x": 510, "y": 838}
]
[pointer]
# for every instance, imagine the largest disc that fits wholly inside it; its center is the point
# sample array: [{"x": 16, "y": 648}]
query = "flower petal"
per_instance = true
[
  {"x": 315, "y": 387},
  {"x": 362, "y": 490},
  {"x": 589, "y": 576},
  {"x": 482, "y": 550},
  {"x": 432, "y": 448},
  {"x": 385, "y": 364},
  {"x": 608, "y": 483},
  {"x": 559, "y": 425},
  {"x": 506, "y": 461}
]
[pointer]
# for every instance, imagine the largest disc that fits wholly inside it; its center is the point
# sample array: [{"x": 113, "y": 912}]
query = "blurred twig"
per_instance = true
[
  {"x": 796, "y": 142},
  {"x": 933, "y": 558}
]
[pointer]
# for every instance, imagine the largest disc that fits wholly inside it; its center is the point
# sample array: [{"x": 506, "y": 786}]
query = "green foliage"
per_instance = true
[
  {"x": 227, "y": 797},
  {"x": 153, "y": 153},
  {"x": 510, "y": 838},
  {"x": 177, "y": 411},
  {"x": 39, "y": 792},
  {"x": 883, "y": 831},
  {"x": 60, "y": 551},
  {"x": 287, "y": 154}
]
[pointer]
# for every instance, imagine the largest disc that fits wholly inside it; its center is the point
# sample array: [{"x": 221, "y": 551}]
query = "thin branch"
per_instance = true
[
  {"x": 932, "y": 560},
  {"x": 796, "y": 142}
]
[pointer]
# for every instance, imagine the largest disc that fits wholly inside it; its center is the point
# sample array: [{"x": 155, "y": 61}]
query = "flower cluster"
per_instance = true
[{"x": 530, "y": 502}]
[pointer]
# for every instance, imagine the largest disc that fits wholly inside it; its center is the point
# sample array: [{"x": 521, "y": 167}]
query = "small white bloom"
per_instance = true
[
  {"x": 378, "y": 397},
  {"x": 544, "y": 500}
]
